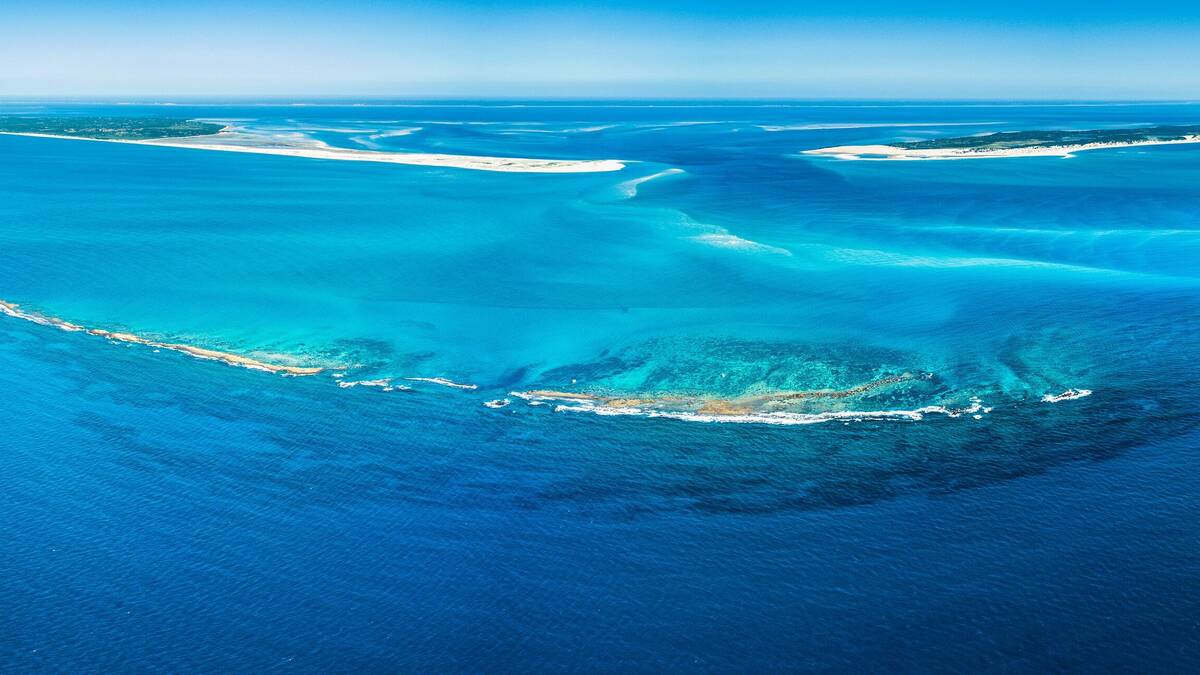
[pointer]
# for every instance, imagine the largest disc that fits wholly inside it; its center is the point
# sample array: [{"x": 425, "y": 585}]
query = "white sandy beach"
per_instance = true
[
  {"x": 234, "y": 141},
  {"x": 892, "y": 152}
]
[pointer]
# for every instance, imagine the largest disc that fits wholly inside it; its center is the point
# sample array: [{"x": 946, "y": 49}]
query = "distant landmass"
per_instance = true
[
  {"x": 108, "y": 128},
  {"x": 1060, "y": 143},
  {"x": 1009, "y": 140}
]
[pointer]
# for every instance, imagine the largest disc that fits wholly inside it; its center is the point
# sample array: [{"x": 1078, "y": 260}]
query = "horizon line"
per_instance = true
[{"x": 301, "y": 99}]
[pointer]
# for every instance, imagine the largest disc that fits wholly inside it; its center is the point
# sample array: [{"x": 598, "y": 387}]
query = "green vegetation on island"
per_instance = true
[
  {"x": 123, "y": 128},
  {"x": 1014, "y": 140}
]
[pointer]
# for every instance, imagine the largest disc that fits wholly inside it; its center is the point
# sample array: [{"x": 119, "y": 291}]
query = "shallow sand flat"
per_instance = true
[
  {"x": 892, "y": 152},
  {"x": 238, "y": 142}
]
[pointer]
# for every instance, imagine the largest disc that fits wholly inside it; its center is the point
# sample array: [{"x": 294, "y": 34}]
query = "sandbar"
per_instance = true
[
  {"x": 228, "y": 140},
  {"x": 228, "y": 358}
]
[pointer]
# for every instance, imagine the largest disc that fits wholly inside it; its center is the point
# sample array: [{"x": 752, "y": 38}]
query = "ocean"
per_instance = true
[{"x": 161, "y": 512}]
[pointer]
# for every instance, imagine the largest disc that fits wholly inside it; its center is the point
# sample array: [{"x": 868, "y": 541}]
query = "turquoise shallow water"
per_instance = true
[{"x": 157, "y": 505}]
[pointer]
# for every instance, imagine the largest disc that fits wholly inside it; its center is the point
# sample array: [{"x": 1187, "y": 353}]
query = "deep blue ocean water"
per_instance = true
[{"x": 159, "y": 512}]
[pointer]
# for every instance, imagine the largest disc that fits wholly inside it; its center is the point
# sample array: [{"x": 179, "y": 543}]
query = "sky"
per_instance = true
[{"x": 868, "y": 49}]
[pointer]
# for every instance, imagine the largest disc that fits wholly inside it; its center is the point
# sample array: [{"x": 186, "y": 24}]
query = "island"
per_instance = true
[
  {"x": 201, "y": 135},
  {"x": 108, "y": 128},
  {"x": 1043, "y": 143}
]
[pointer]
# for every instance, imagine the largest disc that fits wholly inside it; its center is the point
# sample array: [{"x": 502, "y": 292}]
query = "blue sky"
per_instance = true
[{"x": 547, "y": 48}]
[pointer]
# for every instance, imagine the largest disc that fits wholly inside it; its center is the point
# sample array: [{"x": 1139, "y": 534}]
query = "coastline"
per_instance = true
[
  {"x": 881, "y": 152},
  {"x": 13, "y": 310},
  {"x": 319, "y": 150}
]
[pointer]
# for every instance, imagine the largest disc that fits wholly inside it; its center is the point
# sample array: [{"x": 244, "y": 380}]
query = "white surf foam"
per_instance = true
[
  {"x": 629, "y": 188},
  {"x": 1068, "y": 395},
  {"x": 382, "y": 383},
  {"x": 441, "y": 381}
]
